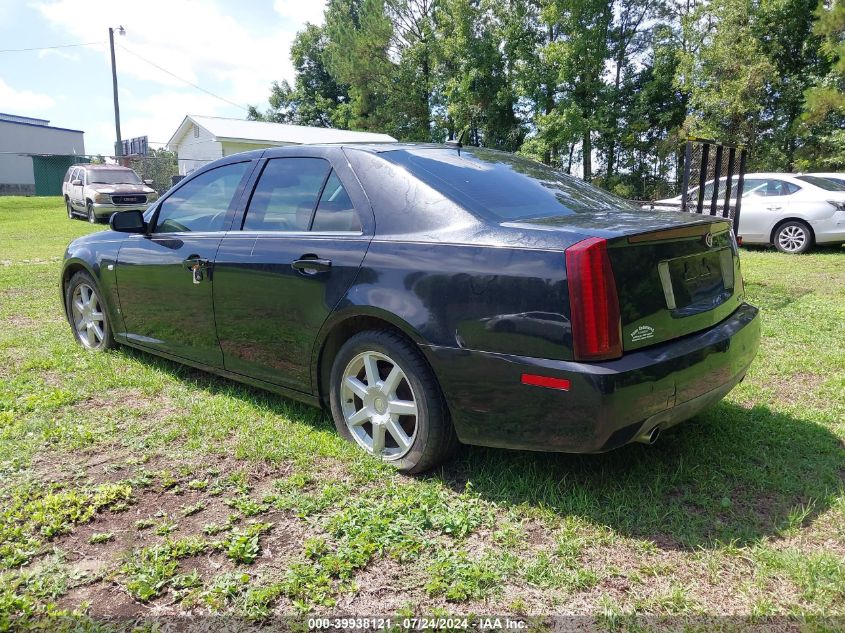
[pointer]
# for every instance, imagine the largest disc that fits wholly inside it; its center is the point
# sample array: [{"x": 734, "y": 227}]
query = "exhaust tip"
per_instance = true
[{"x": 650, "y": 436}]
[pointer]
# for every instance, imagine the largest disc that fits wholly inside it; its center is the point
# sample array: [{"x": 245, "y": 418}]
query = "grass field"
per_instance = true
[{"x": 132, "y": 486}]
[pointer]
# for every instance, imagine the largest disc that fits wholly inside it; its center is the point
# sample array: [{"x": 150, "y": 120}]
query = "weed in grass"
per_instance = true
[
  {"x": 224, "y": 589},
  {"x": 167, "y": 480},
  {"x": 196, "y": 508},
  {"x": 212, "y": 529},
  {"x": 247, "y": 506},
  {"x": 98, "y": 538},
  {"x": 150, "y": 570},
  {"x": 307, "y": 585},
  {"x": 166, "y": 527},
  {"x": 250, "y": 598},
  {"x": 184, "y": 585},
  {"x": 290, "y": 495},
  {"x": 458, "y": 578},
  {"x": 547, "y": 572},
  {"x": 27, "y": 598},
  {"x": 148, "y": 573},
  {"x": 675, "y": 601},
  {"x": 144, "y": 524},
  {"x": 33, "y": 513},
  {"x": 242, "y": 546}
]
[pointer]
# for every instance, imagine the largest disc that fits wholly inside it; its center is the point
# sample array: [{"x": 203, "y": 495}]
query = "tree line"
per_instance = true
[{"x": 607, "y": 89}]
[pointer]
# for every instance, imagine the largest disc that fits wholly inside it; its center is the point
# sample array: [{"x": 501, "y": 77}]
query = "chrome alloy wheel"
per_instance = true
[
  {"x": 792, "y": 238},
  {"x": 379, "y": 406},
  {"x": 88, "y": 319}
]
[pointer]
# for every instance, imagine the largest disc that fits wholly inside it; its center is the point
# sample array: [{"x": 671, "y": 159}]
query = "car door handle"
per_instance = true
[
  {"x": 309, "y": 265},
  {"x": 774, "y": 208},
  {"x": 191, "y": 262}
]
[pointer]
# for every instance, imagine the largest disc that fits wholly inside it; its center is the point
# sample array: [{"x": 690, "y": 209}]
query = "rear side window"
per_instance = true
[
  {"x": 828, "y": 184},
  {"x": 286, "y": 194},
  {"x": 772, "y": 188},
  {"x": 335, "y": 211},
  {"x": 503, "y": 186},
  {"x": 300, "y": 194},
  {"x": 202, "y": 202}
]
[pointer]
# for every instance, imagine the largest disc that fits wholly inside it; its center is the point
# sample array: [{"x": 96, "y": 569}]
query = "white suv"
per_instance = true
[{"x": 98, "y": 191}]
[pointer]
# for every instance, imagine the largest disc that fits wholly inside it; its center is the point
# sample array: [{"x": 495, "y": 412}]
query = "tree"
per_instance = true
[
  {"x": 823, "y": 118},
  {"x": 316, "y": 98},
  {"x": 726, "y": 75},
  {"x": 580, "y": 55}
]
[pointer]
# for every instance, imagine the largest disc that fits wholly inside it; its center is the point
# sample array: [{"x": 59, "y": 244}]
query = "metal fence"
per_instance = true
[
  {"x": 43, "y": 174},
  {"x": 713, "y": 180}
]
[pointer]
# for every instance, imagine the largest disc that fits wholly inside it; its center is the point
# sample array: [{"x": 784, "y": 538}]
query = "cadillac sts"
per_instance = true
[{"x": 427, "y": 295}]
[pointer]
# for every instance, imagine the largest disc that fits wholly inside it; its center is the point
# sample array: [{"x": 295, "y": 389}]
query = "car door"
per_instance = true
[
  {"x": 77, "y": 184},
  {"x": 764, "y": 202},
  {"x": 280, "y": 274},
  {"x": 165, "y": 278}
]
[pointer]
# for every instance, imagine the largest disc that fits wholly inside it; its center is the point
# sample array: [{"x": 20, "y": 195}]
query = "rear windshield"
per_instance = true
[
  {"x": 113, "y": 177},
  {"x": 507, "y": 187},
  {"x": 822, "y": 183}
]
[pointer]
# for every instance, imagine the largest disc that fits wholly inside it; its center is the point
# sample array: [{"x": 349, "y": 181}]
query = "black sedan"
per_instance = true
[{"x": 429, "y": 295}]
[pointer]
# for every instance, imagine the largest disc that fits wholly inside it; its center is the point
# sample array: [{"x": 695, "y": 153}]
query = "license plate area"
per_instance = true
[{"x": 697, "y": 283}]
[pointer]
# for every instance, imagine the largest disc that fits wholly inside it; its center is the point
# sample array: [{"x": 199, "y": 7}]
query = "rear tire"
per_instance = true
[
  {"x": 793, "y": 237},
  {"x": 92, "y": 217},
  {"x": 88, "y": 314},
  {"x": 385, "y": 398}
]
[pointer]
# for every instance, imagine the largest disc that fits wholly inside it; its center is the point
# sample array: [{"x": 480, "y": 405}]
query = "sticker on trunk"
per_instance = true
[{"x": 642, "y": 333}]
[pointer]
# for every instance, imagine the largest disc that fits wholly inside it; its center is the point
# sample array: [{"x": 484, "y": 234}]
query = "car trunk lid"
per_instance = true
[
  {"x": 675, "y": 281},
  {"x": 675, "y": 273}
]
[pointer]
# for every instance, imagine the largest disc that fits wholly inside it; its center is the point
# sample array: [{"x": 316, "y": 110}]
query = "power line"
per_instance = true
[
  {"x": 47, "y": 48},
  {"x": 190, "y": 83}
]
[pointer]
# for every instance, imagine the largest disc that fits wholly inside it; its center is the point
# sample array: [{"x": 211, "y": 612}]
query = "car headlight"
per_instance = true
[
  {"x": 152, "y": 197},
  {"x": 838, "y": 205},
  {"x": 102, "y": 197}
]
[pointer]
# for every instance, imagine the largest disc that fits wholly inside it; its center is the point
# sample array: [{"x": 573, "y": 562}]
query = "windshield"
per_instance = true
[
  {"x": 113, "y": 177},
  {"x": 488, "y": 182},
  {"x": 822, "y": 183}
]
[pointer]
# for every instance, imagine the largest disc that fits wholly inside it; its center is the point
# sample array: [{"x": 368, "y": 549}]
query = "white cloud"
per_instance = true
[
  {"x": 193, "y": 39},
  {"x": 23, "y": 102},
  {"x": 301, "y": 11},
  {"x": 155, "y": 116},
  {"x": 47, "y": 52}
]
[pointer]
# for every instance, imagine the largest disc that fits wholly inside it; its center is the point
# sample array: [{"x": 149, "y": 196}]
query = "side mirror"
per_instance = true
[
  {"x": 76, "y": 183},
  {"x": 128, "y": 222},
  {"x": 148, "y": 182}
]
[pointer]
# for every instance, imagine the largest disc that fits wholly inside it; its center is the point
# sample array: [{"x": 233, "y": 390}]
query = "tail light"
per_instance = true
[{"x": 594, "y": 304}]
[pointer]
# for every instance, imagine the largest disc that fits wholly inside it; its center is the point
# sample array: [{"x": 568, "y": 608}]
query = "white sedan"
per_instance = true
[{"x": 791, "y": 212}]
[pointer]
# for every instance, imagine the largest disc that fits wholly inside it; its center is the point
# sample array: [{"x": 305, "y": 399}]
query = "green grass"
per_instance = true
[{"x": 208, "y": 496}]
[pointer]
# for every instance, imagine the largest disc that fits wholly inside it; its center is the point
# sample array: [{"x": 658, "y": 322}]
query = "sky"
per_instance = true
[{"x": 234, "y": 49}]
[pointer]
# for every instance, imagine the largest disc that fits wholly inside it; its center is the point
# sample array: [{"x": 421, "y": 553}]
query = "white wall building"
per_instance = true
[
  {"x": 202, "y": 139},
  {"x": 20, "y": 138}
]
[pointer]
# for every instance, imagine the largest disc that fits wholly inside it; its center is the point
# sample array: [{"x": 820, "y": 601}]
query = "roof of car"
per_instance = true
[{"x": 100, "y": 166}]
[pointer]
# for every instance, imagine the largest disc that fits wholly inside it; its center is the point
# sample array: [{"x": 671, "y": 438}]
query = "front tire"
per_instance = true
[
  {"x": 92, "y": 217},
  {"x": 385, "y": 398},
  {"x": 87, "y": 312},
  {"x": 793, "y": 237},
  {"x": 69, "y": 210}
]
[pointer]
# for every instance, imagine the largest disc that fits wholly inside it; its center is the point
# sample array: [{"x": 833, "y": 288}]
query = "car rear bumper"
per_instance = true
[{"x": 608, "y": 404}]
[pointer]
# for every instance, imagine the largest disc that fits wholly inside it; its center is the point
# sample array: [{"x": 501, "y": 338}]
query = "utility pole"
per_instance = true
[{"x": 118, "y": 146}]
